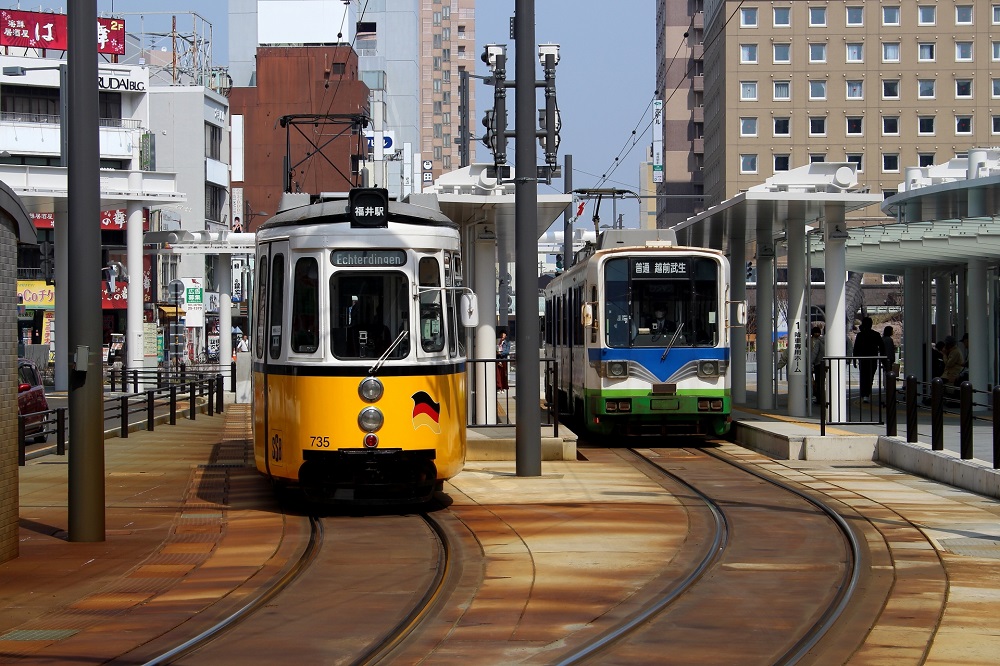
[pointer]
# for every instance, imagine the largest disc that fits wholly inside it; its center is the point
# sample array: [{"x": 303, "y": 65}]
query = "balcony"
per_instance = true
[
  {"x": 698, "y": 147},
  {"x": 698, "y": 52},
  {"x": 698, "y": 114},
  {"x": 698, "y": 21},
  {"x": 699, "y": 83}
]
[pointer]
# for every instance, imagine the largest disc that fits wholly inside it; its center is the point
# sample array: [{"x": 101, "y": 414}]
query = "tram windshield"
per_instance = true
[
  {"x": 368, "y": 310},
  {"x": 660, "y": 302}
]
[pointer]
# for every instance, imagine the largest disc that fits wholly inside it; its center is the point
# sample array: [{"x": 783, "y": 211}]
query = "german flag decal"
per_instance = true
[{"x": 426, "y": 412}]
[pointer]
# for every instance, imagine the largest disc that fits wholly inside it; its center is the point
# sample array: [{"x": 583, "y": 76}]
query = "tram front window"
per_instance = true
[
  {"x": 653, "y": 302},
  {"x": 368, "y": 310}
]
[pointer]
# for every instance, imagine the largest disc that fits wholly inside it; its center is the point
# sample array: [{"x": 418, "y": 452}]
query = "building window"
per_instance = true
[
  {"x": 855, "y": 16},
  {"x": 890, "y": 52},
  {"x": 890, "y": 162},
  {"x": 817, "y": 16},
  {"x": 748, "y": 164},
  {"x": 748, "y": 127},
  {"x": 963, "y": 51},
  {"x": 748, "y": 17},
  {"x": 437, "y": 130},
  {"x": 855, "y": 52},
  {"x": 817, "y": 126},
  {"x": 815, "y": 158},
  {"x": 963, "y": 15},
  {"x": 963, "y": 124},
  {"x": 995, "y": 51},
  {"x": 748, "y": 53},
  {"x": 855, "y": 90},
  {"x": 817, "y": 90},
  {"x": 925, "y": 159},
  {"x": 782, "y": 90},
  {"x": 890, "y": 279},
  {"x": 855, "y": 125},
  {"x": 890, "y": 16},
  {"x": 213, "y": 142},
  {"x": 996, "y": 14},
  {"x": 925, "y": 125},
  {"x": 215, "y": 198},
  {"x": 926, "y": 15},
  {"x": 996, "y": 87},
  {"x": 857, "y": 159},
  {"x": 782, "y": 53},
  {"x": 925, "y": 52},
  {"x": 963, "y": 88},
  {"x": 436, "y": 85},
  {"x": 817, "y": 53},
  {"x": 782, "y": 126},
  {"x": 890, "y": 125},
  {"x": 748, "y": 91},
  {"x": 890, "y": 89},
  {"x": 31, "y": 101},
  {"x": 782, "y": 17},
  {"x": 782, "y": 162},
  {"x": 996, "y": 124},
  {"x": 926, "y": 88}
]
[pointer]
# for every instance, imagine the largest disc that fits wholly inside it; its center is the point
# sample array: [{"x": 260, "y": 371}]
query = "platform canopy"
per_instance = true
[{"x": 473, "y": 195}]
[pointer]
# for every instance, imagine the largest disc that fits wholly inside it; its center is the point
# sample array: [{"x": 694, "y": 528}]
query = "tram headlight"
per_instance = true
[
  {"x": 370, "y": 389},
  {"x": 616, "y": 369},
  {"x": 370, "y": 419},
  {"x": 709, "y": 368}
]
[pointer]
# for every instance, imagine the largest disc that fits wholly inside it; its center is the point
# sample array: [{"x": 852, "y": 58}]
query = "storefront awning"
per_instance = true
[{"x": 171, "y": 311}]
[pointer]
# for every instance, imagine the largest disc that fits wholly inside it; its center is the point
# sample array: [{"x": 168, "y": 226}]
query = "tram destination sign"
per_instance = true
[
  {"x": 368, "y": 207},
  {"x": 646, "y": 268},
  {"x": 369, "y": 258}
]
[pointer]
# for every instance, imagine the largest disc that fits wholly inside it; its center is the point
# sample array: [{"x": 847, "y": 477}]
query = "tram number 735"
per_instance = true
[{"x": 320, "y": 442}]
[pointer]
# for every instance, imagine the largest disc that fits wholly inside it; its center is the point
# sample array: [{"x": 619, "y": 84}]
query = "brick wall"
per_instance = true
[{"x": 8, "y": 389}]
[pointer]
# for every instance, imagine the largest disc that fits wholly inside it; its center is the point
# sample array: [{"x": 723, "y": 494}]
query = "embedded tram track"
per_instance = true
[{"x": 659, "y": 627}]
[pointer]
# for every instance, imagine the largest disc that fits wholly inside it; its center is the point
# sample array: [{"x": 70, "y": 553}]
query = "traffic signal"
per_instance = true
[
  {"x": 48, "y": 261},
  {"x": 489, "y": 136},
  {"x": 751, "y": 272},
  {"x": 559, "y": 262}
]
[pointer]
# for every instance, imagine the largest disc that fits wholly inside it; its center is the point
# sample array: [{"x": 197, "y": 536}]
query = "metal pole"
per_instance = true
[
  {"x": 529, "y": 411},
  {"x": 568, "y": 214},
  {"x": 82, "y": 354},
  {"x": 463, "y": 118}
]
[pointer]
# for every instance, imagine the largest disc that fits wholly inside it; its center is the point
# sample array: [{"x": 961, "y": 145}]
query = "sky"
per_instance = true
[{"x": 605, "y": 81}]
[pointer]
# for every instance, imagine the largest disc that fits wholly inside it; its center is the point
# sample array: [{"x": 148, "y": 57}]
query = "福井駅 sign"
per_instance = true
[{"x": 44, "y": 30}]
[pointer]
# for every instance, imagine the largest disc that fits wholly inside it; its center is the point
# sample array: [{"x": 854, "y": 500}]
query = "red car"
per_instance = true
[{"x": 31, "y": 398}]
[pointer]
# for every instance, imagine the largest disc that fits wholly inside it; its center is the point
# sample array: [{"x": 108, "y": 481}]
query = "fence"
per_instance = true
[{"x": 488, "y": 380}]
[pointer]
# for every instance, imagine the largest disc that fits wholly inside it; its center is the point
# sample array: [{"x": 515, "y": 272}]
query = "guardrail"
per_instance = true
[
  {"x": 119, "y": 378},
  {"x": 121, "y": 408},
  {"x": 487, "y": 379}
]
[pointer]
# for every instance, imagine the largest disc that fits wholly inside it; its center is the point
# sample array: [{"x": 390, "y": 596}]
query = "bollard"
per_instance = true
[
  {"x": 150, "y": 410},
  {"x": 937, "y": 414},
  {"x": 193, "y": 392},
  {"x": 111, "y": 375},
  {"x": 211, "y": 396},
  {"x": 996, "y": 427},
  {"x": 965, "y": 421},
  {"x": 135, "y": 381},
  {"x": 219, "y": 402},
  {"x": 61, "y": 431},
  {"x": 173, "y": 404},
  {"x": 911, "y": 409},
  {"x": 232, "y": 377},
  {"x": 123, "y": 406},
  {"x": 890, "y": 406},
  {"x": 821, "y": 396}
]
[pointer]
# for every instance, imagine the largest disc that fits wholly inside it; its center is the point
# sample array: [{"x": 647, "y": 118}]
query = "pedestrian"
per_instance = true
[
  {"x": 952, "y": 361},
  {"x": 867, "y": 351},
  {"x": 817, "y": 355},
  {"x": 244, "y": 344},
  {"x": 889, "y": 353},
  {"x": 503, "y": 353},
  {"x": 237, "y": 225}
]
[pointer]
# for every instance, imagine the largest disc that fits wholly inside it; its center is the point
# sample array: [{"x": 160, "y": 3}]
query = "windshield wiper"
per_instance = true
[
  {"x": 395, "y": 343},
  {"x": 673, "y": 339}
]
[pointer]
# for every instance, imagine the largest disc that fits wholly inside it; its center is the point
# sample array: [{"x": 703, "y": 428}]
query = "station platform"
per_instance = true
[{"x": 191, "y": 526}]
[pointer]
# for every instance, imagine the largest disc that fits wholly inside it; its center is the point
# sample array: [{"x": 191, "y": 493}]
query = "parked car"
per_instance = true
[{"x": 31, "y": 399}]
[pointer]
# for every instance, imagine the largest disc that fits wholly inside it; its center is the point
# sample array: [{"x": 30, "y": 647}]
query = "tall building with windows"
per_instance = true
[
  {"x": 885, "y": 85},
  {"x": 447, "y": 47}
]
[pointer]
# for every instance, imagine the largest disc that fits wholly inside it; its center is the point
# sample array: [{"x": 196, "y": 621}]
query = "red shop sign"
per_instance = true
[{"x": 43, "y": 30}]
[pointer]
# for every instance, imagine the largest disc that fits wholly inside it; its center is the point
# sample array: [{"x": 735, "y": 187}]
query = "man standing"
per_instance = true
[
  {"x": 867, "y": 349},
  {"x": 817, "y": 354}
]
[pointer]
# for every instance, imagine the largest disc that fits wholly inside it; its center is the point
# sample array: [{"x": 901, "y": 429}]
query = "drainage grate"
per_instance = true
[
  {"x": 38, "y": 634},
  {"x": 987, "y": 547}
]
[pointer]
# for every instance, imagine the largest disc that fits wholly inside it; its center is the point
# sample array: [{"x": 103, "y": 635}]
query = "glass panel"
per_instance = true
[
  {"x": 276, "y": 305},
  {"x": 305, "y": 306},
  {"x": 368, "y": 310}
]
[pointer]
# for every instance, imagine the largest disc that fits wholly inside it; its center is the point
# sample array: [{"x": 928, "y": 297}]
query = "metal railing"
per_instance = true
[
  {"x": 488, "y": 381},
  {"x": 122, "y": 379},
  {"x": 156, "y": 404}
]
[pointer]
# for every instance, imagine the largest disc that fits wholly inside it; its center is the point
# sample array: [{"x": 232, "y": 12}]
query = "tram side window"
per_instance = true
[
  {"x": 276, "y": 305},
  {"x": 258, "y": 344},
  {"x": 593, "y": 328},
  {"x": 305, "y": 306},
  {"x": 616, "y": 307},
  {"x": 431, "y": 315}
]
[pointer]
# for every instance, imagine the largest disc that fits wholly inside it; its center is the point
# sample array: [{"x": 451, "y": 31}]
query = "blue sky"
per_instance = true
[{"x": 605, "y": 79}]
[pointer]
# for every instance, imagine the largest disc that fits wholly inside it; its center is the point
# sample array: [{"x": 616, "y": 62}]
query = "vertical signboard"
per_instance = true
[{"x": 658, "y": 141}]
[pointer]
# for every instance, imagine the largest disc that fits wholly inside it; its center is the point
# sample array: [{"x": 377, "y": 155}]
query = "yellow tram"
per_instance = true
[{"x": 358, "y": 363}]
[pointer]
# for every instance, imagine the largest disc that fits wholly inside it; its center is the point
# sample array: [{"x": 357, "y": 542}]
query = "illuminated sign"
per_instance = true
[
  {"x": 348, "y": 258},
  {"x": 660, "y": 268},
  {"x": 43, "y": 30}
]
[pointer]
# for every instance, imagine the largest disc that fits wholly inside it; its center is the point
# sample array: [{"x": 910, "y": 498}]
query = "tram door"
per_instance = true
[{"x": 269, "y": 347}]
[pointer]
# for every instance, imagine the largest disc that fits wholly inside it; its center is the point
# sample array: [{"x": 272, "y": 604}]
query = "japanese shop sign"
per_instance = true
[{"x": 43, "y": 30}]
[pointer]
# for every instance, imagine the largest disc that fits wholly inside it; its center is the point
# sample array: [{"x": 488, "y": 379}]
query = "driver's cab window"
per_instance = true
[{"x": 431, "y": 311}]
